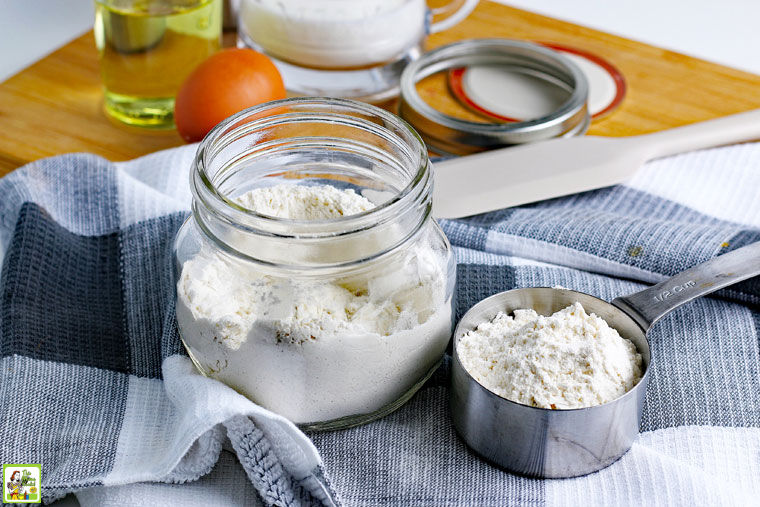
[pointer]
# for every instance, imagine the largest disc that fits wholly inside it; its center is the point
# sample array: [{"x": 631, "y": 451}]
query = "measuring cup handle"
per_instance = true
[
  {"x": 458, "y": 15},
  {"x": 650, "y": 305}
]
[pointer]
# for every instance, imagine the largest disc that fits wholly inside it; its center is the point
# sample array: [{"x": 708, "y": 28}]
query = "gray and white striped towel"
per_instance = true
[{"x": 94, "y": 383}]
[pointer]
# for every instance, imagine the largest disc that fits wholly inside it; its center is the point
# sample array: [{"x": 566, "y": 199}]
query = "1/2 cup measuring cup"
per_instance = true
[
  {"x": 567, "y": 443},
  {"x": 343, "y": 48}
]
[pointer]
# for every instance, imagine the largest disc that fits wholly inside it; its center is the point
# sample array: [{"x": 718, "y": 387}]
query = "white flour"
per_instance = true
[
  {"x": 334, "y": 33},
  {"x": 312, "y": 349},
  {"x": 300, "y": 202},
  {"x": 568, "y": 360}
]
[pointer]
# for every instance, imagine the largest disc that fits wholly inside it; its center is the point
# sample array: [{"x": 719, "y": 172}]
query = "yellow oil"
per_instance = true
[{"x": 147, "y": 48}]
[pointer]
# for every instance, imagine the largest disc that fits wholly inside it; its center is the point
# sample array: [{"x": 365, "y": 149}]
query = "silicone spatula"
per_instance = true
[{"x": 526, "y": 173}]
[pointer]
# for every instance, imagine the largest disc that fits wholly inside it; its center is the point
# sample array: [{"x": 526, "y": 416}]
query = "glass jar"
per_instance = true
[{"x": 330, "y": 322}]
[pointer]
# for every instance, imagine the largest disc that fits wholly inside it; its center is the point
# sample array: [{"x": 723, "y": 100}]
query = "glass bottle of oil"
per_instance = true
[{"x": 147, "y": 48}]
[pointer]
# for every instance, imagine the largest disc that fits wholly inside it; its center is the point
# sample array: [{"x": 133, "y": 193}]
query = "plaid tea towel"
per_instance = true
[{"x": 95, "y": 385}]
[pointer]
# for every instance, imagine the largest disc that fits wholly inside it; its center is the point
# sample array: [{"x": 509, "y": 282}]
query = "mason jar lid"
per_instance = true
[
  {"x": 481, "y": 88},
  {"x": 448, "y": 135}
]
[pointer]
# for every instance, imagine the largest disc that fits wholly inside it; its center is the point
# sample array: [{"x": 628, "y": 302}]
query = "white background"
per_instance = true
[{"x": 723, "y": 31}]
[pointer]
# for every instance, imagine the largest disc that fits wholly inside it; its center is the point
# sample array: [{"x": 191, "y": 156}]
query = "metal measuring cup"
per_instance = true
[{"x": 547, "y": 443}]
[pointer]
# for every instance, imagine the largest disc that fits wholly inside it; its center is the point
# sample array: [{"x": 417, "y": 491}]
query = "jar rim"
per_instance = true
[{"x": 208, "y": 193}]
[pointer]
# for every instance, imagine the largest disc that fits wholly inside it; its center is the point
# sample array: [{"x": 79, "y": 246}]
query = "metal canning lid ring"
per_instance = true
[{"x": 449, "y": 135}]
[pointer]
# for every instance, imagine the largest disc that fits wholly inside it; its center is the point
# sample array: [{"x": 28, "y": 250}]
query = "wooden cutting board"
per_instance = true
[{"x": 55, "y": 105}]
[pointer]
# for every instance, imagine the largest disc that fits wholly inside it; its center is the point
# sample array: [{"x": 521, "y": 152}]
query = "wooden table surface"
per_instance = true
[{"x": 55, "y": 105}]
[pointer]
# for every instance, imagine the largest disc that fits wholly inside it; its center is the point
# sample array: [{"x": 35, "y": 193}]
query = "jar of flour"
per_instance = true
[{"x": 311, "y": 276}]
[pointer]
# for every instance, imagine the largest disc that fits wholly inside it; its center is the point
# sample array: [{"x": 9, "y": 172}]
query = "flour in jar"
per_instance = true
[
  {"x": 311, "y": 348},
  {"x": 334, "y": 33},
  {"x": 568, "y": 360}
]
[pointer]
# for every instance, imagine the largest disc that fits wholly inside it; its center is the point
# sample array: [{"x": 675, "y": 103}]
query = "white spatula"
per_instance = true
[{"x": 532, "y": 172}]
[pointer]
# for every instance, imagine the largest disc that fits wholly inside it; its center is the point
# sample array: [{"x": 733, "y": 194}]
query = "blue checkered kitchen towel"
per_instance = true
[{"x": 95, "y": 386}]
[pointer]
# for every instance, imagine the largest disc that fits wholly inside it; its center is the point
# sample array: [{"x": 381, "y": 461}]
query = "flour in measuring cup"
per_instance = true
[
  {"x": 568, "y": 360},
  {"x": 334, "y": 33}
]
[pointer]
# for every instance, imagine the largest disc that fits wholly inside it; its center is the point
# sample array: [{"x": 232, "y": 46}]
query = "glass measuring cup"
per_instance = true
[
  {"x": 343, "y": 48},
  {"x": 547, "y": 443}
]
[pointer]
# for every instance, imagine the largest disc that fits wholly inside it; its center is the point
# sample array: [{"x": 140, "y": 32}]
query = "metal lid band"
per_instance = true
[{"x": 449, "y": 135}]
